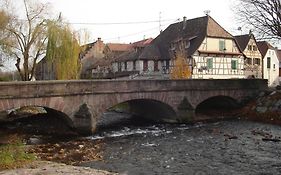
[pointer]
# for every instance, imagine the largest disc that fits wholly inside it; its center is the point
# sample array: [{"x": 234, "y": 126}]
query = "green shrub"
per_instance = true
[{"x": 14, "y": 156}]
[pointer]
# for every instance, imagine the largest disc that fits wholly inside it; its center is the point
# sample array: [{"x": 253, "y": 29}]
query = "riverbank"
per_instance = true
[
  {"x": 52, "y": 168},
  {"x": 50, "y": 155},
  {"x": 266, "y": 108}
]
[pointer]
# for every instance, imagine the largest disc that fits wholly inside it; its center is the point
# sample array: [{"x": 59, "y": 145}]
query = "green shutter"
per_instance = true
[
  {"x": 268, "y": 62},
  {"x": 234, "y": 64},
  {"x": 210, "y": 63},
  {"x": 222, "y": 45}
]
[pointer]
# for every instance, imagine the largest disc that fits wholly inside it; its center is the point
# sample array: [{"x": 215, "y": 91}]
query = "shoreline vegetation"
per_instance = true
[{"x": 15, "y": 154}]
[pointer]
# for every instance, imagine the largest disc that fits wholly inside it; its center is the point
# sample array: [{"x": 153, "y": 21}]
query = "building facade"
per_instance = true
[
  {"x": 97, "y": 58},
  {"x": 270, "y": 63},
  {"x": 209, "y": 52},
  {"x": 253, "y": 57}
]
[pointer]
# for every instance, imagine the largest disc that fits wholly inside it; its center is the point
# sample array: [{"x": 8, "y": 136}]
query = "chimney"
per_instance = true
[
  {"x": 99, "y": 41},
  {"x": 184, "y": 23}
]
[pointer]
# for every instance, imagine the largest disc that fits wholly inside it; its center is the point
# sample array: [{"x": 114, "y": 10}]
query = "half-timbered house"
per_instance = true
[
  {"x": 210, "y": 51},
  {"x": 253, "y": 58}
]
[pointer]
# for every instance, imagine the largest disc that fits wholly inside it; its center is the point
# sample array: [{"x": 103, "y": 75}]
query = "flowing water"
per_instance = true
[
  {"x": 226, "y": 147},
  {"x": 132, "y": 146}
]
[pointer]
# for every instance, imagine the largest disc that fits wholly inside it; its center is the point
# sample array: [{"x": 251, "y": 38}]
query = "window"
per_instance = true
[
  {"x": 249, "y": 61},
  {"x": 134, "y": 65},
  {"x": 167, "y": 64},
  {"x": 255, "y": 48},
  {"x": 210, "y": 63},
  {"x": 234, "y": 64},
  {"x": 156, "y": 66},
  {"x": 250, "y": 47},
  {"x": 257, "y": 61},
  {"x": 187, "y": 44},
  {"x": 119, "y": 67},
  {"x": 273, "y": 66},
  {"x": 268, "y": 62},
  {"x": 125, "y": 65},
  {"x": 145, "y": 65},
  {"x": 222, "y": 45},
  {"x": 173, "y": 46}
]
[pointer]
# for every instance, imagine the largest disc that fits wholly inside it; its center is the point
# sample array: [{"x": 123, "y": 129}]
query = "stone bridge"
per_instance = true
[{"x": 82, "y": 103}]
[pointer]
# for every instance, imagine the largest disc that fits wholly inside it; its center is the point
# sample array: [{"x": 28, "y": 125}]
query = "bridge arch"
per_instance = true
[
  {"x": 147, "y": 108},
  {"x": 217, "y": 104},
  {"x": 40, "y": 119},
  {"x": 19, "y": 109}
]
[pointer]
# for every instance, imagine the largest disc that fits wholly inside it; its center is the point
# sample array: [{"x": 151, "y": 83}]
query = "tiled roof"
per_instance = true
[
  {"x": 264, "y": 46},
  {"x": 142, "y": 43},
  {"x": 194, "y": 30},
  {"x": 242, "y": 41},
  {"x": 151, "y": 51},
  {"x": 135, "y": 52},
  {"x": 117, "y": 47}
]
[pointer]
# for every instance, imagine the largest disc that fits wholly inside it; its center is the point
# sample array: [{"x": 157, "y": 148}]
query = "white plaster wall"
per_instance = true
[
  {"x": 150, "y": 66},
  {"x": 130, "y": 66},
  {"x": 114, "y": 67},
  {"x": 271, "y": 74},
  {"x": 139, "y": 65}
]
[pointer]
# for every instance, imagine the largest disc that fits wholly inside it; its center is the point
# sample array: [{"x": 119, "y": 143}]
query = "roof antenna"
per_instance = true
[
  {"x": 240, "y": 29},
  {"x": 160, "y": 25},
  {"x": 207, "y": 12}
]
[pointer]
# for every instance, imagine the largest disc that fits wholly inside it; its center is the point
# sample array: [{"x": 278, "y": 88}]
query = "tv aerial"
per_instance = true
[{"x": 207, "y": 12}]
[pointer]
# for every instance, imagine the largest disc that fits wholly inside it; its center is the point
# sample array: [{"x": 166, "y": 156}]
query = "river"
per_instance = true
[
  {"x": 225, "y": 147},
  {"x": 134, "y": 146}
]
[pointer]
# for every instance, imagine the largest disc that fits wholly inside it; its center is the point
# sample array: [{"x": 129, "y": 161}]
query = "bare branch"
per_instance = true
[{"x": 261, "y": 15}]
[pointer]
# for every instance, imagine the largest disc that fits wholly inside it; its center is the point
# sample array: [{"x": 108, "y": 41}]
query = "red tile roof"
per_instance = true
[
  {"x": 117, "y": 47},
  {"x": 142, "y": 43}
]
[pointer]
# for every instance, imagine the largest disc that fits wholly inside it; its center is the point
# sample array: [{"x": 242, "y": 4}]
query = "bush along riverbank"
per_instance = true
[
  {"x": 13, "y": 154},
  {"x": 17, "y": 158},
  {"x": 265, "y": 108}
]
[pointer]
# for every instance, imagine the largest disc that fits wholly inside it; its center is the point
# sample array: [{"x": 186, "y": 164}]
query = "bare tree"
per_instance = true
[
  {"x": 26, "y": 37},
  {"x": 264, "y": 16}
]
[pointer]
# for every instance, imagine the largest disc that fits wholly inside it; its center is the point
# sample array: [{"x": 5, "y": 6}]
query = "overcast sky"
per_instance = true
[{"x": 150, "y": 11}]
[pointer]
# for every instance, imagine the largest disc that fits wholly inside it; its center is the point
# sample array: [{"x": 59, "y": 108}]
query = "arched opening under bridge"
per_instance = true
[
  {"x": 137, "y": 112},
  {"x": 218, "y": 106}
]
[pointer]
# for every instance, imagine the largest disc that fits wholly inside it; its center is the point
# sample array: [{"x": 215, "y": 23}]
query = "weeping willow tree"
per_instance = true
[
  {"x": 63, "y": 51},
  {"x": 180, "y": 69}
]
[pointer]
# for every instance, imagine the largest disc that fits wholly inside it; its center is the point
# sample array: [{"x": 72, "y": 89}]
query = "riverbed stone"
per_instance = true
[
  {"x": 261, "y": 109},
  {"x": 261, "y": 94},
  {"x": 278, "y": 103}
]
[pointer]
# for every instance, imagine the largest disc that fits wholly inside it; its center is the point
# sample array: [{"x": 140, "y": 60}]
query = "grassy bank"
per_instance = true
[{"x": 14, "y": 155}]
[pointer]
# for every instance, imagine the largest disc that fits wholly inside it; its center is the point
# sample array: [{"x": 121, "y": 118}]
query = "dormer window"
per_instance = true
[
  {"x": 187, "y": 44},
  {"x": 173, "y": 46}
]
